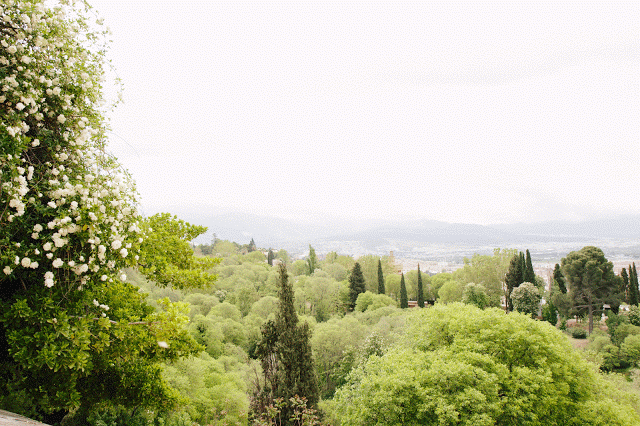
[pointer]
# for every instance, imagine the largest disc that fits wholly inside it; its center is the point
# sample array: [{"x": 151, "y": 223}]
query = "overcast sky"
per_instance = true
[{"x": 478, "y": 113}]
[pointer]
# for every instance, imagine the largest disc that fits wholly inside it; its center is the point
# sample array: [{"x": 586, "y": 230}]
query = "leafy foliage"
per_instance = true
[{"x": 474, "y": 367}]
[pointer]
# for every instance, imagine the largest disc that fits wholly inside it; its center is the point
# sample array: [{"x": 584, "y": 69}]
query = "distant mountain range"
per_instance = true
[{"x": 269, "y": 231}]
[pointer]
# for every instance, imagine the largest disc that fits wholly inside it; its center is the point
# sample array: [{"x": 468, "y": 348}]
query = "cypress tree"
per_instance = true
[
  {"x": 634, "y": 296},
  {"x": 512, "y": 280},
  {"x": 404, "y": 301},
  {"x": 356, "y": 285},
  {"x": 270, "y": 257},
  {"x": 381, "y": 289},
  {"x": 420, "y": 289},
  {"x": 285, "y": 354},
  {"x": 312, "y": 261},
  {"x": 625, "y": 283},
  {"x": 559, "y": 278},
  {"x": 523, "y": 267},
  {"x": 529, "y": 274},
  {"x": 252, "y": 246}
]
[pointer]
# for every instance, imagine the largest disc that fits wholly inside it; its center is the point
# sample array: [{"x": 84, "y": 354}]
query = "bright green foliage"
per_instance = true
[
  {"x": 286, "y": 358},
  {"x": 420, "y": 297},
  {"x": 558, "y": 277},
  {"x": 166, "y": 257},
  {"x": 370, "y": 301},
  {"x": 529, "y": 274},
  {"x": 404, "y": 300},
  {"x": 591, "y": 280},
  {"x": 356, "y": 285},
  {"x": 215, "y": 389},
  {"x": 473, "y": 367},
  {"x": 475, "y": 294},
  {"x": 381, "y": 289},
  {"x": 312, "y": 261},
  {"x": 450, "y": 292},
  {"x": 490, "y": 271},
  {"x": 526, "y": 299}
]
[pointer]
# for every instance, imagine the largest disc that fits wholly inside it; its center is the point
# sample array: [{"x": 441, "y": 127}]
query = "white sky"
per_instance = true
[{"x": 479, "y": 113}]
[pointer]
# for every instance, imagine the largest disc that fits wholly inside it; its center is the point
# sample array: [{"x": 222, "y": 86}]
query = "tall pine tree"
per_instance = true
[
  {"x": 270, "y": 257},
  {"x": 285, "y": 354},
  {"x": 559, "y": 279},
  {"x": 356, "y": 285},
  {"x": 381, "y": 289},
  {"x": 404, "y": 300},
  {"x": 420, "y": 289},
  {"x": 529, "y": 274}
]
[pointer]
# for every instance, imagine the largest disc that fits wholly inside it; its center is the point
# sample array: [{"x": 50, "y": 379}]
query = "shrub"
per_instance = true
[{"x": 578, "y": 333}]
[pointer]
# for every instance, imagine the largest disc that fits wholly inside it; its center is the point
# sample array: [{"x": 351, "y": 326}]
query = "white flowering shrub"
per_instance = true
[
  {"x": 68, "y": 210},
  {"x": 72, "y": 333}
]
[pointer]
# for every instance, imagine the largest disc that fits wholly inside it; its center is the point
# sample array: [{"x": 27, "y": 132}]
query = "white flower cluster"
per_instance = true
[{"x": 56, "y": 179}]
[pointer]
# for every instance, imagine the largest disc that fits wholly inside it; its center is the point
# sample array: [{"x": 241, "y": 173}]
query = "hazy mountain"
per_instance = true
[{"x": 273, "y": 231}]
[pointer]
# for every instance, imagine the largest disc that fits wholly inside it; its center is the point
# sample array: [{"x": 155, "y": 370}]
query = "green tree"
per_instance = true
[
  {"x": 285, "y": 354},
  {"x": 475, "y": 294},
  {"x": 590, "y": 279},
  {"x": 312, "y": 261},
  {"x": 526, "y": 299},
  {"x": 490, "y": 271},
  {"x": 473, "y": 367},
  {"x": 420, "y": 289},
  {"x": 270, "y": 257},
  {"x": 625, "y": 283},
  {"x": 356, "y": 285},
  {"x": 381, "y": 289},
  {"x": 512, "y": 280},
  {"x": 634, "y": 292},
  {"x": 558, "y": 277},
  {"x": 529, "y": 274},
  {"x": 404, "y": 300},
  {"x": 72, "y": 332}
]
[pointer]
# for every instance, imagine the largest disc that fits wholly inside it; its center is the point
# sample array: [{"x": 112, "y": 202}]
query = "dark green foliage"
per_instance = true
[
  {"x": 578, "y": 333},
  {"x": 523, "y": 266},
  {"x": 634, "y": 296},
  {"x": 381, "y": 289},
  {"x": 420, "y": 289},
  {"x": 529, "y": 274},
  {"x": 270, "y": 257},
  {"x": 512, "y": 279},
  {"x": 312, "y": 260},
  {"x": 625, "y": 283},
  {"x": 404, "y": 300},
  {"x": 550, "y": 313},
  {"x": 591, "y": 280},
  {"x": 252, "y": 246},
  {"x": 286, "y": 358},
  {"x": 356, "y": 285},
  {"x": 559, "y": 279}
]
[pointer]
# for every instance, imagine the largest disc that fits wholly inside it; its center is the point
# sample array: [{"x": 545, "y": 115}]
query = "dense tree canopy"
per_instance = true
[{"x": 461, "y": 365}]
